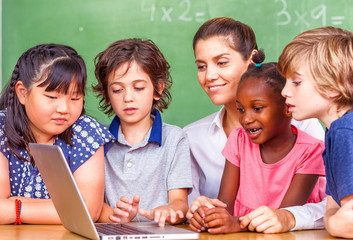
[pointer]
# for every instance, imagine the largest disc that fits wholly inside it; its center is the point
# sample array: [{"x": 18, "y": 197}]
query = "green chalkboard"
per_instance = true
[{"x": 91, "y": 25}]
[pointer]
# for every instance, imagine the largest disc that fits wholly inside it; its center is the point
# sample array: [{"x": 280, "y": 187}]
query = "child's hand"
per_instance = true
[
  {"x": 126, "y": 209},
  {"x": 162, "y": 214},
  {"x": 203, "y": 201},
  {"x": 218, "y": 220},
  {"x": 196, "y": 222},
  {"x": 268, "y": 220}
]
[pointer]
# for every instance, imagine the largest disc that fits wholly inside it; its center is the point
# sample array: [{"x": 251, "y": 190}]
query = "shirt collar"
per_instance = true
[
  {"x": 156, "y": 131},
  {"x": 217, "y": 123}
]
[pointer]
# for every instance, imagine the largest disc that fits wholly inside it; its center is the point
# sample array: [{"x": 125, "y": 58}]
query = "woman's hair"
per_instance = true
[
  {"x": 57, "y": 66},
  {"x": 147, "y": 55},
  {"x": 239, "y": 36},
  {"x": 268, "y": 72},
  {"x": 327, "y": 52}
]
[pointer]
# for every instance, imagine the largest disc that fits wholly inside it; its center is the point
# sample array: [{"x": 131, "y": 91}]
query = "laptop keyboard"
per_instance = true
[{"x": 119, "y": 229}]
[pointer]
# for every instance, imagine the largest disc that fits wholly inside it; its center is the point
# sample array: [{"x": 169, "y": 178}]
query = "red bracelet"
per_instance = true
[{"x": 18, "y": 207}]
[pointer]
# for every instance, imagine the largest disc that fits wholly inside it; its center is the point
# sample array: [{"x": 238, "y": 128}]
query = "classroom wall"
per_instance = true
[{"x": 90, "y": 26}]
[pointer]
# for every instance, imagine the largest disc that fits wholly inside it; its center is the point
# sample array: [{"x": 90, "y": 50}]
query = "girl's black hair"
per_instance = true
[
  {"x": 266, "y": 71},
  {"x": 59, "y": 66}
]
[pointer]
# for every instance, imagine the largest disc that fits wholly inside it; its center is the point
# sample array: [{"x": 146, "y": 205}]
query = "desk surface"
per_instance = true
[{"x": 54, "y": 232}]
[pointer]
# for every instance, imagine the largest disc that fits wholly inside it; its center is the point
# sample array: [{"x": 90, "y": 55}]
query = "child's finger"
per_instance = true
[
  {"x": 172, "y": 216},
  {"x": 212, "y": 222},
  {"x": 162, "y": 218},
  {"x": 124, "y": 206},
  {"x": 197, "y": 222},
  {"x": 180, "y": 214},
  {"x": 135, "y": 204},
  {"x": 196, "y": 225},
  {"x": 136, "y": 200},
  {"x": 202, "y": 211},
  {"x": 114, "y": 218},
  {"x": 120, "y": 212},
  {"x": 157, "y": 215},
  {"x": 194, "y": 229},
  {"x": 126, "y": 200},
  {"x": 216, "y": 230},
  {"x": 146, "y": 213},
  {"x": 142, "y": 212},
  {"x": 209, "y": 211}
]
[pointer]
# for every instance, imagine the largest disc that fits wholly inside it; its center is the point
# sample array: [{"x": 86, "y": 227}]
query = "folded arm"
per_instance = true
[{"x": 339, "y": 220}]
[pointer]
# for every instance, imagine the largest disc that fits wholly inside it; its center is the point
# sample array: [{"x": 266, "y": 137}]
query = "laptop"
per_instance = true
[{"x": 72, "y": 210}]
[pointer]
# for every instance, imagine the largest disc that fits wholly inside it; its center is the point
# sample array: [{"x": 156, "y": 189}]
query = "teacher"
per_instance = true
[{"x": 223, "y": 49}]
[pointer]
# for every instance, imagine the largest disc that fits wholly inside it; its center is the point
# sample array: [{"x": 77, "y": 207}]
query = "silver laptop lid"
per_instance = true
[
  {"x": 63, "y": 190},
  {"x": 72, "y": 210}
]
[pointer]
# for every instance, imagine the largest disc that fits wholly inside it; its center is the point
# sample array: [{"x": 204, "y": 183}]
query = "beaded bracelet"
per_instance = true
[{"x": 18, "y": 207}]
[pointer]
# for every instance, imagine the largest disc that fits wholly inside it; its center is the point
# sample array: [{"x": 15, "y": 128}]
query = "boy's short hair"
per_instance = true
[
  {"x": 147, "y": 55},
  {"x": 328, "y": 54}
]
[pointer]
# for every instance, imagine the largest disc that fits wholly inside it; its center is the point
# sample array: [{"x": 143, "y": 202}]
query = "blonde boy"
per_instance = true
[{"x": 318, "y": 66}]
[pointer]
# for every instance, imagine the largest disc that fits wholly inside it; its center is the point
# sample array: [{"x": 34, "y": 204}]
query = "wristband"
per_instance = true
[{"x": 18, "y": 207}]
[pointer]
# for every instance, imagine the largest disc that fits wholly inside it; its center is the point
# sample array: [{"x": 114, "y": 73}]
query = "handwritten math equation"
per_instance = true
[
  {"x": 167, "y": 14},
  {"x": 183, "y": 11},
  {"x": 318, "y": 13}
]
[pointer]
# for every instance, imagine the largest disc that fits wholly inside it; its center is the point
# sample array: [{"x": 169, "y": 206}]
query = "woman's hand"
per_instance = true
[
  {"x": 268, "y": 220},
  {"x": 204, "y": 201}
]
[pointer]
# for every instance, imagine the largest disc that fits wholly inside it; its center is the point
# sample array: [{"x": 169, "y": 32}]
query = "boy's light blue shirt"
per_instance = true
[{"x": 161, "y": 162}]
